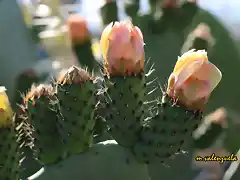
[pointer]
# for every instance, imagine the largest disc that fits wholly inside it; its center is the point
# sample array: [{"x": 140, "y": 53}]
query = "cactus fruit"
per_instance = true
[
  {"x": 76, "y": 93},
  {"x": 9, "y": 157},
  {"x": 41, "y": 108},
  {"x": 145, "y": 132},
  {"x": 81, "y": 41}
]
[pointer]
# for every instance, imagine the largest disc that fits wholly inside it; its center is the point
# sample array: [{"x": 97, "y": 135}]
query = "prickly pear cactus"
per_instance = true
[
  {"x": 75, "y": 128},
  {"x": 169, "y": 25},
  {"x": 168, "y": 132},
  {"x": 159, "y": 38},
  {"x": 9, "y": 158},
  {"x": 126, "y": 110},
  {"x": 148, "y": 134},
  {"x": 158, "y": 135}
]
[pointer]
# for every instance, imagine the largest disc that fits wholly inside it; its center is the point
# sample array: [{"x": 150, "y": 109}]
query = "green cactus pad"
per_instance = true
[
  {"x": 103, "y": 161},
  {"x": 167, "y": 133},
  {"x": 42, "y": 115},
  {"x": 126, "y": 110},
  {"x": 177, "y": 167},
  {"x": 76, "y": 94},
  {"x": 9, "y": 156}
]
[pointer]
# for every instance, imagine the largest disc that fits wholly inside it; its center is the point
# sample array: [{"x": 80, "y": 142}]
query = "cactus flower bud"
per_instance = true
[
  {"x": 193, "y": 79},
  {"x": 6, "y": 112},
  {"x": 122, "y": 47},
  {"x": 77, "y": 29}
]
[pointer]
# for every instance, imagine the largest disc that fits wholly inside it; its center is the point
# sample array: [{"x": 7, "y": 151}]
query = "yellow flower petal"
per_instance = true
[
  {"x": 6, "y": 112},
  {"x": 189, "y": 56},
  {"x": 96, "y": 48},
  {"x": 3, "y": 97},
  {"x": 104, "y": 42}
]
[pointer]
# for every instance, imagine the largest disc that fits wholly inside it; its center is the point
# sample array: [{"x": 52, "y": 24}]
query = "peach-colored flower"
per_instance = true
[
  {"x": 6, "y": 111},
  {"x": 193, "y": 79},
  {"x": 122, "y": 47},
  {"x": 77, "y": 28}
]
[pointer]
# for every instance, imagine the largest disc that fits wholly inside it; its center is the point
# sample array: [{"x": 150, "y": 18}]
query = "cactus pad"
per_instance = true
[
  {"x": 9, "y": 158},
  {"x": 167, "y": 133},
  {"x": 77, "y": 100},
  {"x": 126, "y": 110},
  {"x": 106, "y": 160},
  {"x": 42, "y": 115}
]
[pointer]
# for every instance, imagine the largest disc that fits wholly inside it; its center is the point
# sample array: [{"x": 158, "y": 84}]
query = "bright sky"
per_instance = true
[{"x": 226, "y": 10}]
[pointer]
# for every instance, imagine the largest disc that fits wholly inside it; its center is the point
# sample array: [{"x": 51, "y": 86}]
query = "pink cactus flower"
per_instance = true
[{"x": 122, "y": 47}]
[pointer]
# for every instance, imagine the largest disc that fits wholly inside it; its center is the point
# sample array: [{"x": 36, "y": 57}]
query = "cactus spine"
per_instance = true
[{"x": 41, "y": 108}]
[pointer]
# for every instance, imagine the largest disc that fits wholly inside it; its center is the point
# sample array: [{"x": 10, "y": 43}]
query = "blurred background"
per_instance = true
[
  {"x": 41, "y": 38},
  {"x": 226, "y": 10}
]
